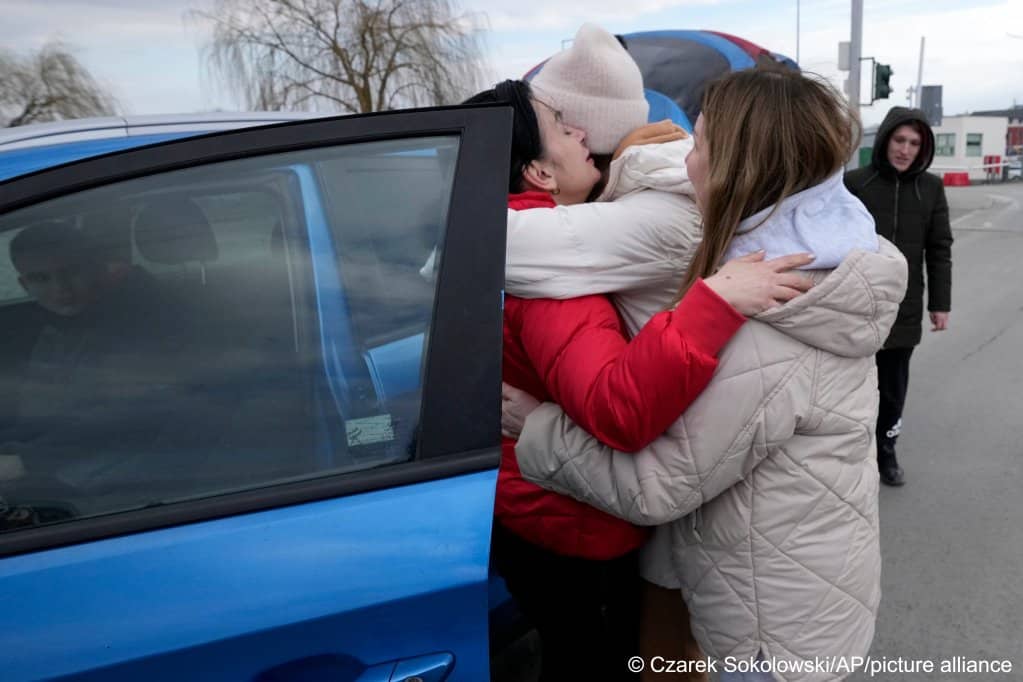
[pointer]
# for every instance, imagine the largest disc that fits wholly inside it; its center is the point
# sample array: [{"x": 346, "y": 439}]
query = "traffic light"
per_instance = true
[{"x": 882, "y": 74}]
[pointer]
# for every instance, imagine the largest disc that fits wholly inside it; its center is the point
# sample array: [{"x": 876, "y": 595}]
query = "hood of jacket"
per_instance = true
[
  {"x": 896, "y": 117},
  {"x": 660, "y": 167},
  {"x": 825, "y": 220},
  {"x": 850, "y": 310}
]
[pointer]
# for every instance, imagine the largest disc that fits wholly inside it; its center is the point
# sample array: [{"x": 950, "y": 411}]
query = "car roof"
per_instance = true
[{"x": 25, "y": 149}]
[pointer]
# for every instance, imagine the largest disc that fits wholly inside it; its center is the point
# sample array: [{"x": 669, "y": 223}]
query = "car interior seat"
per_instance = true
[{"x": 247, "y": 369}]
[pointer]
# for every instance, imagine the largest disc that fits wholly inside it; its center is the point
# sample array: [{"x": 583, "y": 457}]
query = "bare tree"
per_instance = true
[
  {"x": 352, "y": 55},
  {"x": 47, "y": 86}
]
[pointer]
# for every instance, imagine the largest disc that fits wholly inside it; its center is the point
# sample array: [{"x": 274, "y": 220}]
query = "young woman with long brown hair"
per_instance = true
[{"x": 767, "y": 481}]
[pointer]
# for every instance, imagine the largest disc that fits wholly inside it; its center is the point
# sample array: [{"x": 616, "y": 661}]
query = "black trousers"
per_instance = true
[
  {"x": 586, "y": 612},
  {"x": 892, "y": 384}
]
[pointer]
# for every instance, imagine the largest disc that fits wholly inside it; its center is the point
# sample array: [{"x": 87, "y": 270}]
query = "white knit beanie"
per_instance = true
[{"x": 596, "y": 86}]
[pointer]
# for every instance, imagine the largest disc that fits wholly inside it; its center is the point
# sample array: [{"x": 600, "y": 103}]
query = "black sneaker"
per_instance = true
[{"x": 892, "y": 475}]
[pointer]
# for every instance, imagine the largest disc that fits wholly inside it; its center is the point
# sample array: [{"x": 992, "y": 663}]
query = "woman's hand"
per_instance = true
[
  {"x": 651, "y": 133},
  {"x": 515, "y": 407},
  {"x": 752, "y": 285}
]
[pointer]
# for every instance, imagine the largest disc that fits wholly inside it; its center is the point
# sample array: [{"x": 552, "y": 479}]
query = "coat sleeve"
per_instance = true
[
  {"x": 626, "y": 393},
  {"x": 938, "y": 257},
  {"x": 717, "y": 443},
  {"x": 599, "y": 248}
]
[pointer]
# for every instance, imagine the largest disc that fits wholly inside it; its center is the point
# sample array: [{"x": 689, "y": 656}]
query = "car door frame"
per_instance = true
[{"x": 460, "y": 409}]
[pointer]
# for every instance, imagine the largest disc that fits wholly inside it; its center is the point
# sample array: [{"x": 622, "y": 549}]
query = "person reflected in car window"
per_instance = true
[
  {"x": 59, "y": 267},
  {"x": 91, "y": 371}
]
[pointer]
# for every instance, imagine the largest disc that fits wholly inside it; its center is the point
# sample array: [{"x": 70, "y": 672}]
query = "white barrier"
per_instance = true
[{"x": 962, "y": 175}]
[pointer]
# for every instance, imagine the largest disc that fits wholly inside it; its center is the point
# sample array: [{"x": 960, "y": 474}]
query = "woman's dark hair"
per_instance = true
[{"x": 526, "y": 143}]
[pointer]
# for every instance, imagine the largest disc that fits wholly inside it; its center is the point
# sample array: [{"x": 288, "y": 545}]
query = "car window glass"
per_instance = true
[
  {"x": 219, "y": 328},
  {"x": 10, "y": 290}
]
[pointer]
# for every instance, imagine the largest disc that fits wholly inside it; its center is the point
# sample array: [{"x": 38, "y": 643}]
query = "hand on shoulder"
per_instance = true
[{"x": 752, "y": 285}]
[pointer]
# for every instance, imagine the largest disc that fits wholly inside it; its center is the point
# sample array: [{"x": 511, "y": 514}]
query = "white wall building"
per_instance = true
[{"x": 962, "y": 142}]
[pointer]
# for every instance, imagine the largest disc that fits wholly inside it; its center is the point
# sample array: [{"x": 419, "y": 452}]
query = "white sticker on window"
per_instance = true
[{"x": 369, "y": 430}]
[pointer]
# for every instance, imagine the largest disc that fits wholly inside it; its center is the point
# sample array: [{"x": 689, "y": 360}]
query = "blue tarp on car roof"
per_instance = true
[{"x": 679, "y": 64}]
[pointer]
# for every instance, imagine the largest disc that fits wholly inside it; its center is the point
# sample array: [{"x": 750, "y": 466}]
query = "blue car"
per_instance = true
[{"x": 249, "y": 417}]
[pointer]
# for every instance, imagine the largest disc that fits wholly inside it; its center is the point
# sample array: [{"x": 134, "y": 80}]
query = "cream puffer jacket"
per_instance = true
[
  {"x": 768, "y": 481},
  {"x": 635, "y": 242}
]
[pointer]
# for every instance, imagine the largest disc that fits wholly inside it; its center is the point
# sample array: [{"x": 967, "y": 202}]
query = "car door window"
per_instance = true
[{"x": 219, "y": 328}]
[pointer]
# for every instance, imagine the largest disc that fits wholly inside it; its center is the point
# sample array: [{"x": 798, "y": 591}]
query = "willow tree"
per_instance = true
[
  {"x": 348, "y": 55},
  {"x": 48, "y": 85}
]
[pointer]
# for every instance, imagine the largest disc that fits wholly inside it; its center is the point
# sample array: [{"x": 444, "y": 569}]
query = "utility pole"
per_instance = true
[
  {"x": 855, "y": 52},
  {"x": 797, "y": 31},
  {"x": 919, "y": 75}
]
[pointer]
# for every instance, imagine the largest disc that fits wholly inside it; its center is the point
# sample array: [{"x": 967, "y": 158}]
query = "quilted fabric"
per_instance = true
[
  {"x": 574, "y": 352},
  {"x": 768, "y": 481}
]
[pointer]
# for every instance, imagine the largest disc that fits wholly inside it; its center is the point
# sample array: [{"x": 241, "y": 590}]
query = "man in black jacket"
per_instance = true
[
  {"x": 91, "y": 385},
  {"x": 910, "y": 209}
]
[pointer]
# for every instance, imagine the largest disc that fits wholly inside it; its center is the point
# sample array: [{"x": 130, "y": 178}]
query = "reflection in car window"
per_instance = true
[
  {"x": 10, "y": 290},
  {"x": 215, "y": 329}
]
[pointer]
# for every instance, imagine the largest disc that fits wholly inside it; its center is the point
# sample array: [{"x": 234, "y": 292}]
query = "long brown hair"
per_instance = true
[{"x": 769, "y": 133}]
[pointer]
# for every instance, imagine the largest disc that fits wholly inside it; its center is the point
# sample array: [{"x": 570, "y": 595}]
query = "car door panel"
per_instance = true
[
  {"x": 358, "y": 575},
  {"x": 363, "y": 576}
]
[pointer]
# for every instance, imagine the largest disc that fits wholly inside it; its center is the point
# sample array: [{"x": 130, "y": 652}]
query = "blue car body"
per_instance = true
[{"x": 373, "y": 569}]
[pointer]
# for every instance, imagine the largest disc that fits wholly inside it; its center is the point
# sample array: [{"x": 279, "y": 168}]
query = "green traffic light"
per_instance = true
[{"x": 882, "y": 75}]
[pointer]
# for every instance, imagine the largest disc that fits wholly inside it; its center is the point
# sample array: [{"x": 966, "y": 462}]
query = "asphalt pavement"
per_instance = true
[{"x": 952, "y": 538}]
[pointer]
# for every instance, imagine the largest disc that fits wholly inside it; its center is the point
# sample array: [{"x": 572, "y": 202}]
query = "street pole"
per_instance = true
[
  {"x": 797, "y": 31},
  {"x": 855, "y": 53},
  {"x": 919, "y": 75}
]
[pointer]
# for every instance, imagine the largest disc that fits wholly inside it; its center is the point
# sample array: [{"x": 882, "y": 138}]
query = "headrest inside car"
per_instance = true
[{"x": 173, "y": 230}]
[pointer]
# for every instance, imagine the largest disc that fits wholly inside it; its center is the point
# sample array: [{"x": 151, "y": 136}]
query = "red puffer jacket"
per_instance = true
[{"x": 574, "y": 352}]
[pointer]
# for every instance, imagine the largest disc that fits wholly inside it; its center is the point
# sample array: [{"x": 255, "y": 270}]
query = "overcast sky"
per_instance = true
[{"x": 148, "y": 53}]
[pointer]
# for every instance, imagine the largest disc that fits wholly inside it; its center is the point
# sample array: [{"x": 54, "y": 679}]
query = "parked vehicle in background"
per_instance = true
[{"x": 1014, "y": 169}]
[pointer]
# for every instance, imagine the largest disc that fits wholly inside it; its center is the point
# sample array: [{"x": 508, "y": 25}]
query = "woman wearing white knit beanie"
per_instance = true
[
  {"x": 648, "y": 232},
  {"x": 596, "y": 86}
]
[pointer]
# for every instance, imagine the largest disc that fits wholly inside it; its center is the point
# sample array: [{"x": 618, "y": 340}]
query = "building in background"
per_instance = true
[
  {"x": 1014, "y": 136},
  {"x": 961, "y": 144},
  {"x": 866, "y": 152}
]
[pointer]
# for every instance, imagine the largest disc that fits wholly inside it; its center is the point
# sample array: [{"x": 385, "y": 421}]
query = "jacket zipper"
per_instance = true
[{"x": 895, "y": 227}]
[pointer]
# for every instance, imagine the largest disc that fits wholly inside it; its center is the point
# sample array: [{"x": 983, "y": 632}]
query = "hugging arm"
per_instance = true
[
  {"x": 626, "y": 393},
  {"x": 703, "y": 453},
  {"x": 595, "y": 248}
]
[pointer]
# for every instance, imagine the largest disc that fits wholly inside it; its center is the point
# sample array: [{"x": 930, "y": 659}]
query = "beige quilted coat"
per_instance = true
[{"x": 768, "y": 481}]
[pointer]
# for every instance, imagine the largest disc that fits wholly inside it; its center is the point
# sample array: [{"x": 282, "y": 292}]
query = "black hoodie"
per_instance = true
[
  {"x": 910, "y": 209},
  {"x": 896, "y": 117}
]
